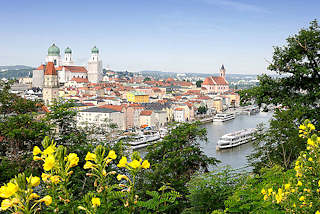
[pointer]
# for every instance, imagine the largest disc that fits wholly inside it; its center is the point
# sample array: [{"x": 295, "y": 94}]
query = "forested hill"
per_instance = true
[{"x": 16, "y": 71}]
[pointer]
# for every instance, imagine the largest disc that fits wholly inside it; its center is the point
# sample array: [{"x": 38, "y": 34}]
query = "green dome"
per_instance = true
[
  {"x": 95, "y": 50},
  {"x": 68, "y": 50},
  {"x": 53, "y": 51}
]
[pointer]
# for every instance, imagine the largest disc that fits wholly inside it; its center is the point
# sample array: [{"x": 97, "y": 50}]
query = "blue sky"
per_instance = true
[{"x": 167, "y": 35}]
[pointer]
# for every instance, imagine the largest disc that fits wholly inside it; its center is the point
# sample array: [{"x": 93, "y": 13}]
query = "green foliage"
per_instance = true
[
  {"x": 175, "y": 159},
  {"x": 202, "y": 110},
  {"x": 247, "y": 198},
  {"x": 198, "y": 83},
  {"x": 147, "y": 79},
  {"x": 280, "y": 144},
  {"x": 159, "y": 203},
  {"x": 297, "y": 90},
  {"x": 209, "y": 191}
]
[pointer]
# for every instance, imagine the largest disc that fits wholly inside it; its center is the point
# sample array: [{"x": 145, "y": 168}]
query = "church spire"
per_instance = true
[{"x": 223, "y": 71}]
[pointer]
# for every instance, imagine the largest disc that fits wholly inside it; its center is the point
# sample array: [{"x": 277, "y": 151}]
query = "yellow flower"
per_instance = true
[
  {"x": 89, "y": 165},
  {"x": 311, "y": 127},
  {"x": 318, "y": 212},
  {"x": 8, "y": 190},
  {"x": 120, "y": 177},
  {"x": 310, "y": 159},
  {"x": 108, "y": 161},
  {"x": 145, "y": 164},
  {"x": 293, "y": 190},
  {"x": 5, "y": 204},
  {"x": 263, "y": 191},
  {"x": 49, "y": 163},
  {"x": 95, "y": 202},
  {"x": 46, "y": 199},
  {"x": 45, "y": 176},
  {"x": 33, "y": 195},
  {"x": 50, "y": 150},
  {"x": 269, "y": 191},
  {"x": 299, "y": 183},
  {"x": 122, "y": 162},
  {"x": 310, "y": 142},
  {"x": 302, "y": 127},
  {"x": 319, "y": 183},
  {"x": 36, "y": 158},
  {"x": 91, "y": 157},
  {"x": 287, "y": 186},
  {"x": 55, "y": 179},
  {"x": 104, "y": 173},
  {"x": 36, "y": 150},
  {"x": 265, "y": 197},
  {"x": 294, "y": 205},
  {"x": 134, "y": 164},
  {"x": 34, "y": 181},
  {"x": 278, "y": 198},
  {"x": 73, "y": 159},
  {"x": 301, "y": 198},
  {"x": 112, "y": 155}
]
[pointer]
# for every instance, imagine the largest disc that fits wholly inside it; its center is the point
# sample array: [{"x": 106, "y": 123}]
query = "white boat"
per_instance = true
[
  {"x": 223, "y": 117},
  {"x": 141, "y": 140},
  {"x": 235, "y": 138}
]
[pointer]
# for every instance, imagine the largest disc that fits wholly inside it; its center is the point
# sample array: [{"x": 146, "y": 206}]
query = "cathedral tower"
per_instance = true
[
  {"x": 94, "y": 66},
  {"x": 68, "y": 57},
  {"x": 222, "y": 72},
  {"x": 54, "y": 55},
  {"x": 51, "y": 86}
]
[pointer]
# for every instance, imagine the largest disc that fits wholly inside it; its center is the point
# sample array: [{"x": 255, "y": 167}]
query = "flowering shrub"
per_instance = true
[
  {"x": 113, "y": 191},
  {"x": 301, "y": 193}
]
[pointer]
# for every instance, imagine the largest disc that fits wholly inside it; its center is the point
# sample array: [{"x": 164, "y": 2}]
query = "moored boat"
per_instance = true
[
  {"x": 223, "y": 117},
  {"x": 235, "y": 138}
]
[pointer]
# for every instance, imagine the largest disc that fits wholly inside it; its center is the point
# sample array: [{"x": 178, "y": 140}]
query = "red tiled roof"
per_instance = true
[
  {"x": 214, "y": 81},
  {"x": 80, "y": 80},
  {"x": 179, "y": 109},
  {"x": 146, "y": 113},
  {"x": 220, "y": 80},
  {"x": 170, "y": 79},
  {"x": 76, "y": 69},
  {"x": 50, "y": 70},
  {"x": 113, "y": 107},
  {"x": 41, "y": 67}
]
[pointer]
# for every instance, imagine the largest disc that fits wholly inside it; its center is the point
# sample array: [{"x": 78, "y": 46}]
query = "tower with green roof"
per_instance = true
[
  {"x": 68, "y": 57},
  {"x": 94, "y": 66},
  {"x": 54, "y": 55}
]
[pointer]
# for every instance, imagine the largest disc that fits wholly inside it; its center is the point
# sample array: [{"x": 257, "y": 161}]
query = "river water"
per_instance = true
[{"x": 234, "y": 157}]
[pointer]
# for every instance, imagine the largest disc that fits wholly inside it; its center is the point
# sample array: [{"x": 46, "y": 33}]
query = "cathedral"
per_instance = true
[
  {"x": 218, "y": 84},
  {"x": 65, "y": 68}
]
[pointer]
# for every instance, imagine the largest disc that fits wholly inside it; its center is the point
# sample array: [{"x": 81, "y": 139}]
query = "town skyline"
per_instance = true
[{"x": 195, "y": 36}]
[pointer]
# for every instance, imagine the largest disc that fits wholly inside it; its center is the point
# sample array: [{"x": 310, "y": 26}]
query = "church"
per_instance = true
[
  {"x": 66, "y": 70},
  {"x": 217, "y": 85}
]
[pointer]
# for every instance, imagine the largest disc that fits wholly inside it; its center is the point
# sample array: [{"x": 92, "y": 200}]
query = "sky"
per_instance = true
[{"x": 164, "y": 35}]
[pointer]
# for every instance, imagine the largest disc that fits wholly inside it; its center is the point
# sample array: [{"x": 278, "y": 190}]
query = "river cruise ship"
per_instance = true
[
  {"x": 223, "y": 117},
  {"x": 235, "y": 138}
]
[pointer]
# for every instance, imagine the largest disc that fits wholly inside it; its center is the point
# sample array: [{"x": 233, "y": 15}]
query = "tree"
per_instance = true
[
  {"x": 176, "y": 158},
  {"x": 198, "y": 83},
  {"x": 147, "y": 79},
  {"x": 202, "y": 110},
  {"x": 209, "y": 191},
  {"x": 297, "y": 90},
  {"x": 62, "y": 117},
  {"x": 280, "y": 144}
]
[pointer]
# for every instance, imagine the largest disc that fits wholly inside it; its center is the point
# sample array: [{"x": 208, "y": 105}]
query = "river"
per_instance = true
[{"x": 234, "y": 157}]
